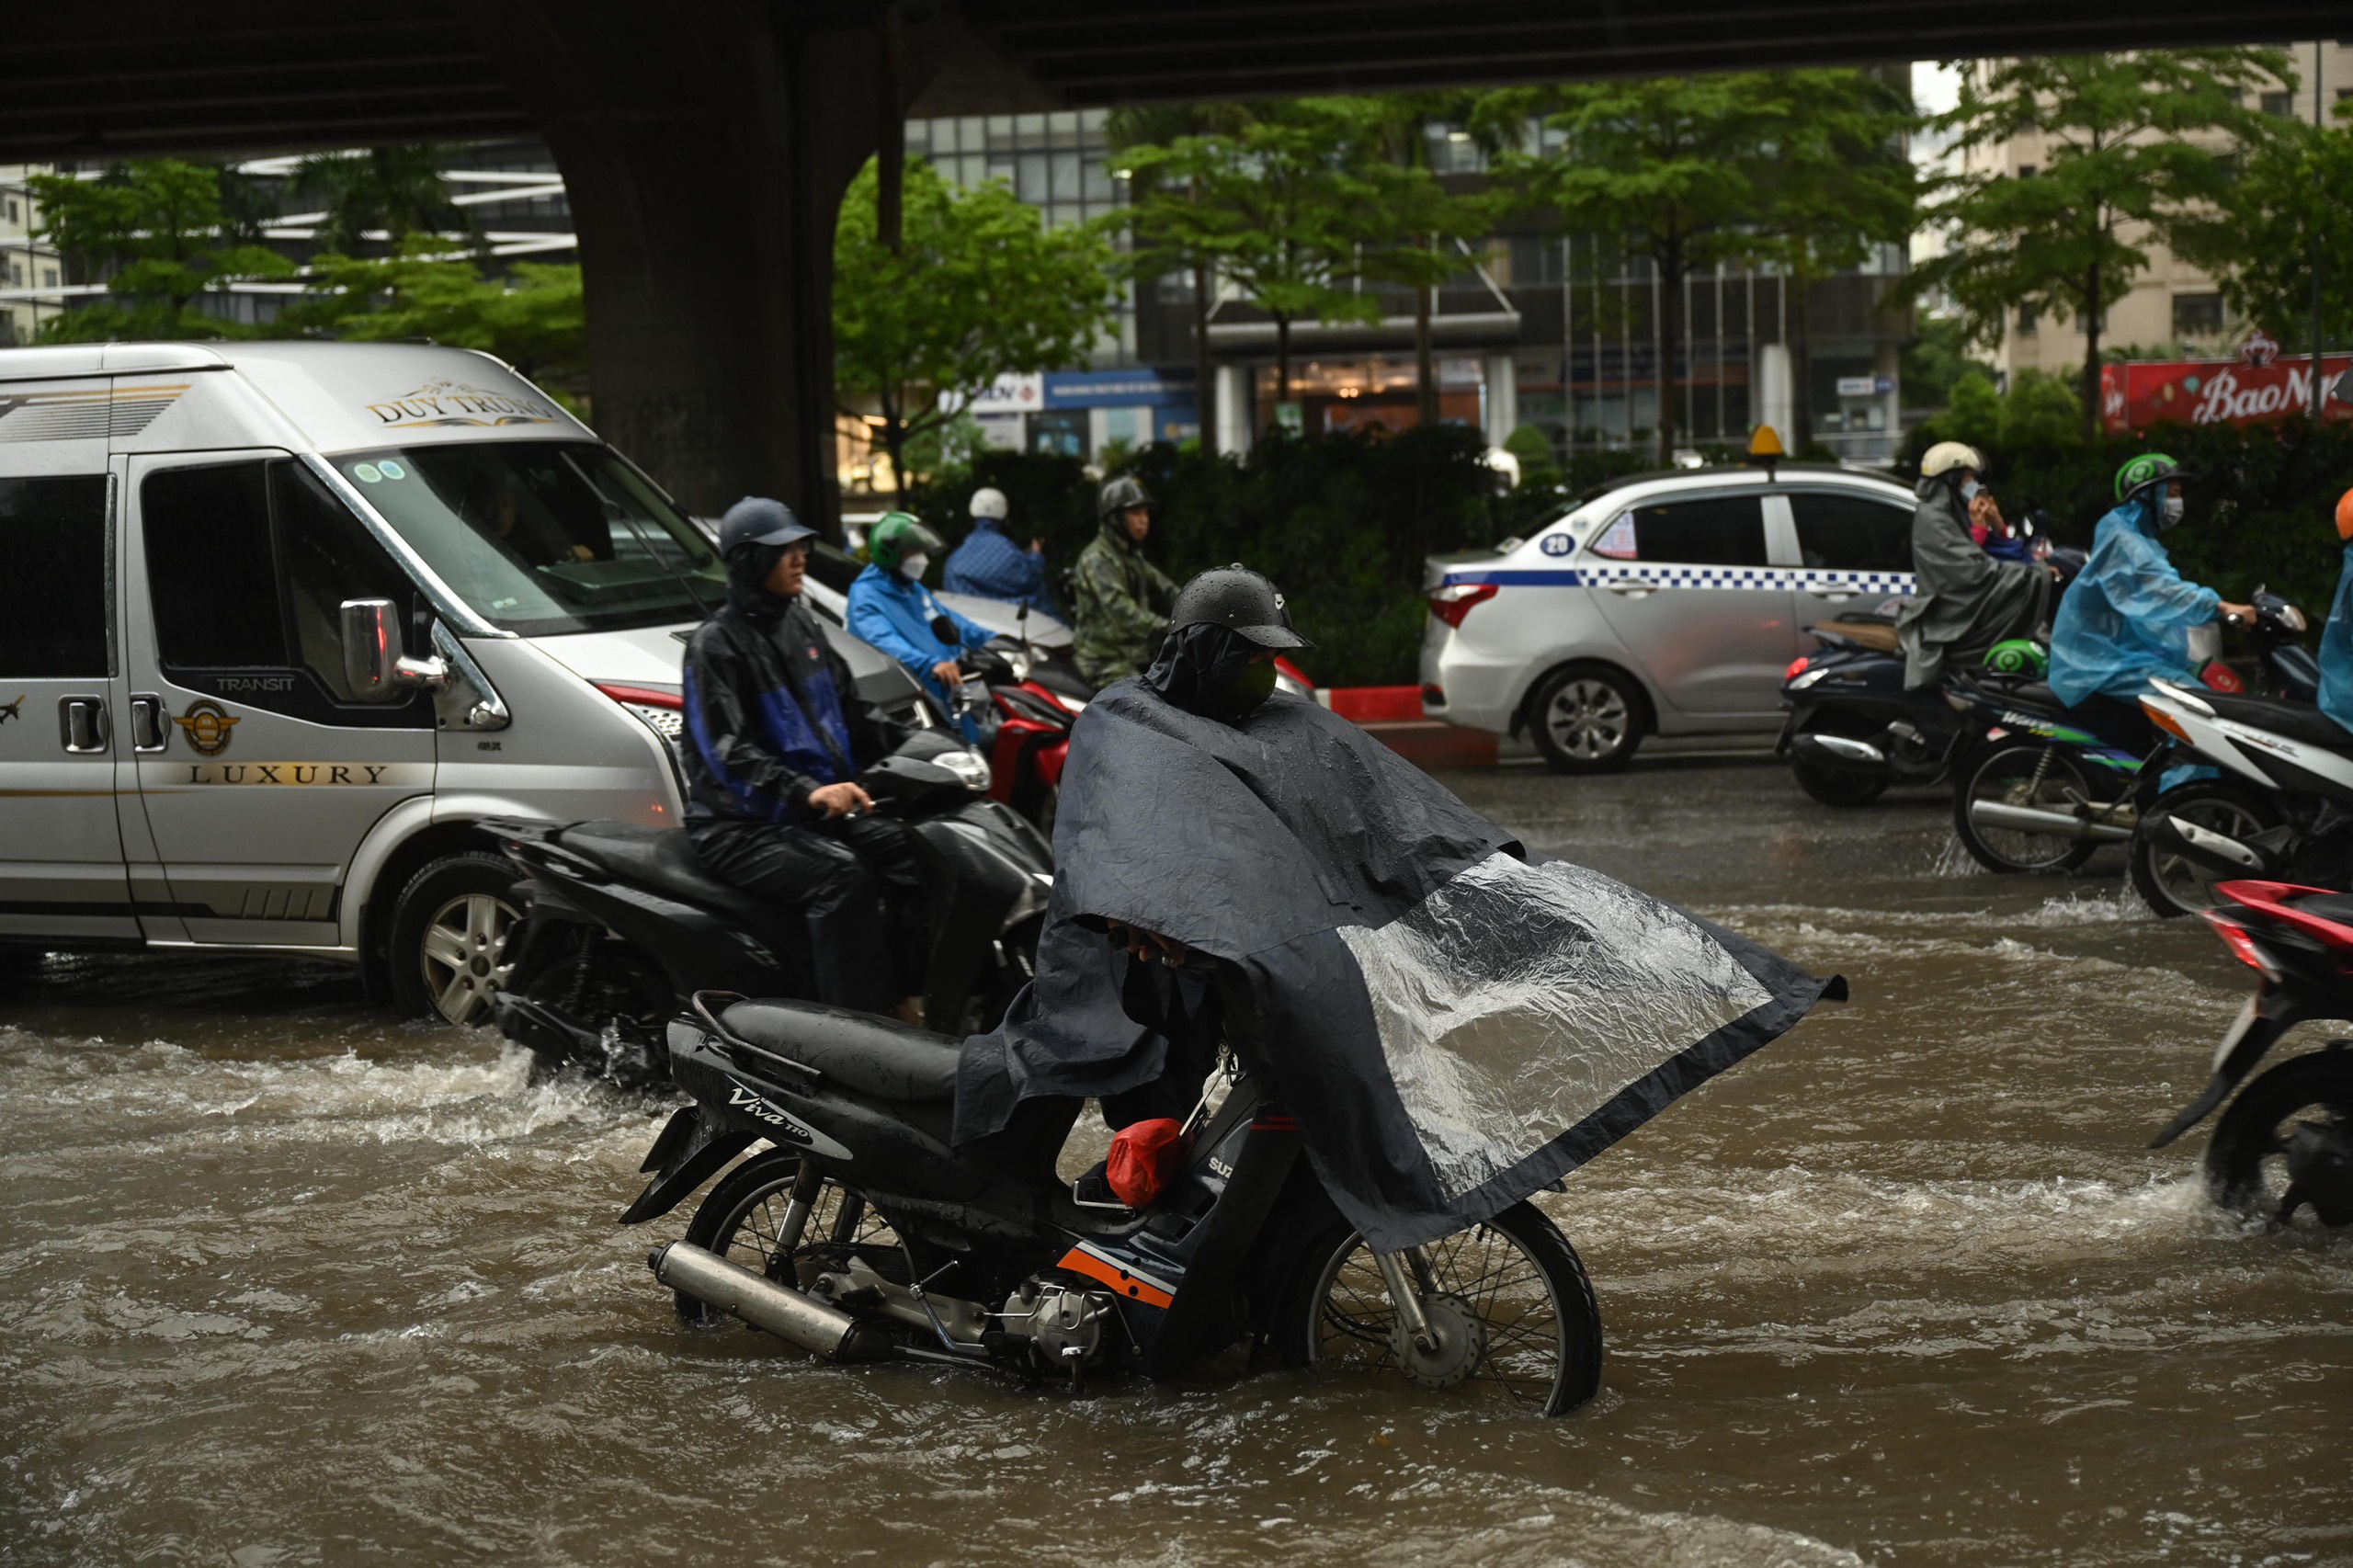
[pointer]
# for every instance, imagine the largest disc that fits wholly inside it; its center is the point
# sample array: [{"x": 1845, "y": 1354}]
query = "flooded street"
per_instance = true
[{"x": 284, "y": 1282}]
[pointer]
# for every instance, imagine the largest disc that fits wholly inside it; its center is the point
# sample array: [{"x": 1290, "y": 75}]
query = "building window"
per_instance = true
[
  {"x": 49, "y": 278},
  {"x": 13, "y": 217},
  {"x": 2025, "y": 171},
  {"x": 2028, "y": 318},
  {"x": 2280, "y": 103},
  {"x": 2197, "y": 315}
]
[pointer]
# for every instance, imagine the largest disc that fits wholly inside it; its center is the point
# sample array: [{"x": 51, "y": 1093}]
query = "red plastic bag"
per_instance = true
[{"x": 1143, "y": 1154}]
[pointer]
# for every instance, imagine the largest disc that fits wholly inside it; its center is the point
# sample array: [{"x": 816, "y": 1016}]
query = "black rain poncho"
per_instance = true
[
  {"x": 1963, "y": 601},
  {"x": 1454, "y": 1022}
]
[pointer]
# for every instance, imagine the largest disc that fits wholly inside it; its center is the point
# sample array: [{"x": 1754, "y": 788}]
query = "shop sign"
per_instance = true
[
  {"x": 1011, "y": 394},
  {"x": 1140, "y": 388},
  {"x": 2251, "y": 390}
]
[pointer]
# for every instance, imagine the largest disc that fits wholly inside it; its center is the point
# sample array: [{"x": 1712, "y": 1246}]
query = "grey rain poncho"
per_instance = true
[
  {"x": 1964, "y": 600},
  {"x": 1454, "y": 1022}
]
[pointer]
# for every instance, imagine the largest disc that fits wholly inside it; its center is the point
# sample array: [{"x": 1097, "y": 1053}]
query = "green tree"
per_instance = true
[
  {"x": 1691, "y": 172},
  {"x": 2287, "y": 220},
  {"x": 156, "y": 232},
  {"x": 398, "y": 189},
  {"x": 1420, "y": 219},
  {"x": 2117, "y": 153},
  {"x": 1158, "y": 251},
  {"x": 535, "y": 318},
  {"x": 1935, "y": 359},
  {"x": 978, "y": 288}
]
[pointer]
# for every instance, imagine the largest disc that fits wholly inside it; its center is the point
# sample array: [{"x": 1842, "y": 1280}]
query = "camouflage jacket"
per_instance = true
[{"x": 1123, "y": 603}]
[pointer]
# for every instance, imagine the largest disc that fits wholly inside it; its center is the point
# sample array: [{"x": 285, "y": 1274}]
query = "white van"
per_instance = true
[{"x": 280, "y": 622}]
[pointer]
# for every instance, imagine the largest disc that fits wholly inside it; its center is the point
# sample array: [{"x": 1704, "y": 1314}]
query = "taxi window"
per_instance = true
[
  {"x": 1852, "y": 533},
  {"x": 1707, "y": 530}
]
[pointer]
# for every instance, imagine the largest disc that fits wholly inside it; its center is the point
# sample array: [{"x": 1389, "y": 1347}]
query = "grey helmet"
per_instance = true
[
  {"x": 1237, "y": 597},
  {"x": 1120, "y": 495}
]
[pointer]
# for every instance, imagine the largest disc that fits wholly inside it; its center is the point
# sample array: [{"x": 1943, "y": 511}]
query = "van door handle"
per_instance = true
[
  {"x": 82, "y": 723},
  {"x": 147, "y": 722},
  {"x": 1630, "y": 586}
]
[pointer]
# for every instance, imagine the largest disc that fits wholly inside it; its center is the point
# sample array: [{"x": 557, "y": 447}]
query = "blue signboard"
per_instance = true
[{"x": 1142, "y": 387}]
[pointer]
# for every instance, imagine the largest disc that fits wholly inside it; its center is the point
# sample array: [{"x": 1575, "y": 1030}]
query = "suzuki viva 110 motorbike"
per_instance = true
[
  {"x": 2285, "y": 1145},
  {"x": 863, "y": 1235},
  {"x": 622, "y": 924}
]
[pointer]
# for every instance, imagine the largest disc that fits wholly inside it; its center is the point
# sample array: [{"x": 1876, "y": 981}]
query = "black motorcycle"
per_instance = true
[
  {"x": 2285, "y": 1145},
  {"x": 863, "y": 1235},
  {"x": 622, "y": 924}
]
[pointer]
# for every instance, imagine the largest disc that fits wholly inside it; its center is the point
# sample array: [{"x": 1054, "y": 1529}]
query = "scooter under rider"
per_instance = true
[
  {"x": 777, "y": 733},
  {"x": 890, "y": 607},
  {"x": 1964, "y": 600}
]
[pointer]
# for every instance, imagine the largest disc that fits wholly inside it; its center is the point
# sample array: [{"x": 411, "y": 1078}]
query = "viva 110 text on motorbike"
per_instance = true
[{"x": 624, "y": 924}]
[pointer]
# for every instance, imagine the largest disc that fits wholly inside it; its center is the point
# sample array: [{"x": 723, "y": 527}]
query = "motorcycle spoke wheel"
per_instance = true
[
  {"x": 2282, "y": 1154},
  {"x": 744, "y": 1219},
  {"x": 2172, "y": 883},
  {"x": 1523, "y": 1332},
  {"x": 2036, "y": 777}
]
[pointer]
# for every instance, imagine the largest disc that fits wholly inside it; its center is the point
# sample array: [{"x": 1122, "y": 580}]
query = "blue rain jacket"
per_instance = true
[
  {"x": 2336, "y": 651},
  {"x": 989, "y": 565},
  {"x": 2126, "y": 618},
  {"x": 895, "y": 616}
]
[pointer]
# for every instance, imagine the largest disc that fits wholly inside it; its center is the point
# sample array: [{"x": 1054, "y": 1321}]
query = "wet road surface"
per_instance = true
[{"x": 284, "y": 1282}]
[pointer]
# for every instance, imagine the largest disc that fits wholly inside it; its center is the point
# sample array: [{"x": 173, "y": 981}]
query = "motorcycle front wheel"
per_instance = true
[
  {"x": 2286, "y": 1144},
  {"x": 2171, "y": 883},
  {"x": 2040, "y": 777},
  {"x": 743, "y": 1221},
  {"x": 1512, "y": 1310}
]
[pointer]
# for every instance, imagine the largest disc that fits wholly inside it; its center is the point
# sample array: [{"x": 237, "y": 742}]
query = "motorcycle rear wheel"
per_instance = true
[
  {"x": 2248, "y": 1161},
  {"x": 1514, "y": 1282},
  {"x": 2173, "y": 884},
  {"x": 2008, "y": 774},
  {"x": 741, "y": 1219}
]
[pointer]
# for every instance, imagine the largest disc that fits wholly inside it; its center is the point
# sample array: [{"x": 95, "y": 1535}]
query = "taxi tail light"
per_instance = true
[{"x": 1455, "y": 600}]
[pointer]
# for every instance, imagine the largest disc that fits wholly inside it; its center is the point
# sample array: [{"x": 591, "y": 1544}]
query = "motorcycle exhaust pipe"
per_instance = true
[
  {"x": 819, "y": 1327},
  {"x": 2054, "y": 824},
  {"x": 2205, "y": 846},
  {"x": 1843, "y": 748}
]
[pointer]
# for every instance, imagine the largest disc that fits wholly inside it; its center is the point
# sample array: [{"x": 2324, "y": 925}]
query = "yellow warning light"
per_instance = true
[{"x": 1766, "y": 443}]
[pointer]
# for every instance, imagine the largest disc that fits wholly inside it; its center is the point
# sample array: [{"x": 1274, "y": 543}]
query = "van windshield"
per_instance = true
[{"x": 542, "y": 537}]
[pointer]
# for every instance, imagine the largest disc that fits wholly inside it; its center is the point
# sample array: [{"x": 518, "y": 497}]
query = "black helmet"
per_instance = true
[
  {"x": 755, "y": 519},
  {"x": 1237, "y": 597},
  {"x": 1120, "y": 495}
]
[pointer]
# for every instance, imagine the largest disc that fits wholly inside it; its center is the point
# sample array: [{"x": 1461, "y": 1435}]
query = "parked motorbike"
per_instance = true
[
  {"x": 2273, "y": 793},
  {"x": 862, "y": 1234},
  {"x": 622, "y": 924},
  {"x": 2285, "y": 1143}
]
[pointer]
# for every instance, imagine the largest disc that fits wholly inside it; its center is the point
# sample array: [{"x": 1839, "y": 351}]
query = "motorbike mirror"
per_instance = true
[{"x": 943, "y": 628}]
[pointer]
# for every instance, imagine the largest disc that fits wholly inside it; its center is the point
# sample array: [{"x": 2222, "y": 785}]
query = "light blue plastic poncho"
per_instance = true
[
  {"x": 2126, "y": 618},
  {"x": 895, "y": 616},
  {"x": 2336, "y": 651}
]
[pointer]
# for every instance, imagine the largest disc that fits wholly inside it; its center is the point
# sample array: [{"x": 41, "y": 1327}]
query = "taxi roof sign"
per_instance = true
[{"x": 1765, "y": 449}]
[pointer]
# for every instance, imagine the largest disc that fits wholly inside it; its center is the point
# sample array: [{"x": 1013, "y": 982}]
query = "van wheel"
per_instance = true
[
  {"x": 1586, "y": 719},
  {"x": 449, "y": 929}
]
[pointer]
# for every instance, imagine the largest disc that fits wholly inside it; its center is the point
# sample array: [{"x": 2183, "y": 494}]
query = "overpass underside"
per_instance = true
[{"x": 705, "y": 146}]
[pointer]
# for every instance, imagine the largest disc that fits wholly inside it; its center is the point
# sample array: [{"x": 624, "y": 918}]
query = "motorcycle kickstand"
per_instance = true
[{"x": 1405, "y": 1290}]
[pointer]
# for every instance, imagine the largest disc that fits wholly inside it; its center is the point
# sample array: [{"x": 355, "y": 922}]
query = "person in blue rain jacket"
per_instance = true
[
  {"x": 2336, "y": 637},
  {"x": 890, "y": 607},
  {"x": 989, "y": 565},
  {"x": 2126, "y": 617}
]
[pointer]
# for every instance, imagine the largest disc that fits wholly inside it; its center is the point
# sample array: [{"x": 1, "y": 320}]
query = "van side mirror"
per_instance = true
[{"x": 374, "y": 668}]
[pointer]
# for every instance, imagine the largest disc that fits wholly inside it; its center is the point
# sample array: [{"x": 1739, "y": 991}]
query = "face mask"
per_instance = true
[
  {"x": 1251, "y": 688},
  {"x": 911, "y": 567},
  {"x": 2171, "y": 511},
  {"x": 1969, "y": 489}
]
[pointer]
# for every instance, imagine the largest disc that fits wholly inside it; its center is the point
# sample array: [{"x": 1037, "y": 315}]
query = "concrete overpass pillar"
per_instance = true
[{"x": 705, "y": 148}]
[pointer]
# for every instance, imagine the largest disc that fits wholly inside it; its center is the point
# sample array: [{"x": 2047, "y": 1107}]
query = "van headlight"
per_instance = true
[{"x": 968, "y": 766}]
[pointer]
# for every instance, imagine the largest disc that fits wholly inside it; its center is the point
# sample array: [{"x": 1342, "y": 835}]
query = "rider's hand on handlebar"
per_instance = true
[
  {"x": 2236, "y": 612},
  {"x": 1144, "y": 946},
  {"x": 841, "y": 800},
  {"x": 946, "y": 673}
]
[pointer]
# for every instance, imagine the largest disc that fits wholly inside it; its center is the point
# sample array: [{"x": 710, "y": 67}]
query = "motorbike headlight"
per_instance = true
[
  {"x": 1018, "y": 659},
  {"x": 2291, "y": 618},
  {"x": 969, "y": 768}
]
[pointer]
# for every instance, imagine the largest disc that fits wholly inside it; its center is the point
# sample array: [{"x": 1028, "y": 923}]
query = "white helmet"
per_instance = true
[
  {"x": 1946, "y": 456},
  {"x": 988, "y": 501}
]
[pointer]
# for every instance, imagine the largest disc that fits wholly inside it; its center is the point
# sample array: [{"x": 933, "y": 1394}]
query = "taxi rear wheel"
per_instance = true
[
  {"x": 449, "y": 931},
  {"x": 1586, "y": 719}
]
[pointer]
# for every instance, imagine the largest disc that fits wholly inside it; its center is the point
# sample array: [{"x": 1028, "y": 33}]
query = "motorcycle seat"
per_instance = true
[
  {"x": 663, "y": 860},
  {"x": 2291, "y": 721},
  {"x": 880, "y": 1058},
  {"x": 2027, "y": 694}
]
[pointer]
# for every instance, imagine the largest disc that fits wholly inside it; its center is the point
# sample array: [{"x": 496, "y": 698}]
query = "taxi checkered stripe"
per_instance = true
[{"x": 1731, "y": 577}]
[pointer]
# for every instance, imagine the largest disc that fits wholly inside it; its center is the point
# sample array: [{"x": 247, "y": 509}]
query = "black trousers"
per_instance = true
[{"x": 856, "y": 882}]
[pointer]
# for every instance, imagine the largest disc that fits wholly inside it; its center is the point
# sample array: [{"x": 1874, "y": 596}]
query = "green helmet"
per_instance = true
[
  {"x": 895, "y": 538},
  {"x": 2017, "y": 656},
  {"x": 2148, "y": 469}
]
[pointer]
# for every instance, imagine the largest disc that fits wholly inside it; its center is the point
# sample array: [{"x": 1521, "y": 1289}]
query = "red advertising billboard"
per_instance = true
[{"x": 2254, "y": 389}]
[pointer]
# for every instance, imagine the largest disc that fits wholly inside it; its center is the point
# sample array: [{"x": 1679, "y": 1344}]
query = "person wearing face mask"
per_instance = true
[
  {"x": 2126, "y": 617},
  {"x": 776, "y": 732},
  {"x": 1963, "y": 600},
  {"x": 890, "y": 607}
]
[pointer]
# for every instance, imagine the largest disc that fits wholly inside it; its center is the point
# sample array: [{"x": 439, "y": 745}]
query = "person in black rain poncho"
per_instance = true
[
  {"x": 1454, "y": 1021},
  {"x": 776, "y": 734}
]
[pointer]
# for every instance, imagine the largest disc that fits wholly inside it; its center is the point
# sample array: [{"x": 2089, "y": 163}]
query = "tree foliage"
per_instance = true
[
  {"x": 2119, "y": 169},
  {"x": 160, "y": 233},
  {"x": 2286, "y": 217},
  {"x": 1801, "y": 167},
  {"x": 398, "y": 189},
  {"x": 977, "y": 289},
  {"x": 535, "y": 318}
]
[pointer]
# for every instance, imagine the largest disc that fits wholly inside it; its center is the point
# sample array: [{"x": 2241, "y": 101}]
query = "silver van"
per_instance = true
[{"x": 280, "y": 622}]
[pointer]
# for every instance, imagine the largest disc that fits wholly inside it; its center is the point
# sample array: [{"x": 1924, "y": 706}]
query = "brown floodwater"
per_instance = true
[{"x": 284, "y": 1282}]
